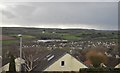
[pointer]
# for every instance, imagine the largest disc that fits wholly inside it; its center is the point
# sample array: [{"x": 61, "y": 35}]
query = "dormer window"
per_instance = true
[{"x": 62, "y": 63}]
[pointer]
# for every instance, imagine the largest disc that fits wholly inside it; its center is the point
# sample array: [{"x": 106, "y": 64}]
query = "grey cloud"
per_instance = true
[
  {"x": 101, "y": 15},
  {"x": 8, "y": 14}
]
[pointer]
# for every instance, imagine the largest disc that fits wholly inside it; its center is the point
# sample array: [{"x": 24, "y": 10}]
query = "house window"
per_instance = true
[{"x": 62, "y": 63}]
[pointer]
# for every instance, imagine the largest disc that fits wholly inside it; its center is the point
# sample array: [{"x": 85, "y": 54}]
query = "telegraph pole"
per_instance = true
[{"x": 20, "y": 35}]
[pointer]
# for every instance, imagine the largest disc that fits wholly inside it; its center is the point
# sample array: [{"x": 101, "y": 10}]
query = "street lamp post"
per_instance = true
[{"x": 20, "y": 35}]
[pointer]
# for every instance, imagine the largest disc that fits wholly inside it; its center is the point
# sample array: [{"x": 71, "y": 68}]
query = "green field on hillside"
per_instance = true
[
  {"x": 9, "y": 41},
  {"x": 70, "y": 37}
]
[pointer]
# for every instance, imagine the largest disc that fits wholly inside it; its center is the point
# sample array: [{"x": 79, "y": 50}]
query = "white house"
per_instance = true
[
  {"x": 18, "y": 62},
  {"x": 117, "y": 66}
]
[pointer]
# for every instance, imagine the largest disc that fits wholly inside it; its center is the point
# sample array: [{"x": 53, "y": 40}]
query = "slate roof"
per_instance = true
[{"x": 50, "y": 58}]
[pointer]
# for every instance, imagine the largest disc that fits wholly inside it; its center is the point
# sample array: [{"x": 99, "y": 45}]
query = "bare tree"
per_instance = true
[{"x": 32, "y": 56}]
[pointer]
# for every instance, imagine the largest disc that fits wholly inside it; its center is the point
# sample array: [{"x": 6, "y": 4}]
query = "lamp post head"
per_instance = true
[{"x": 19, "y": 35}]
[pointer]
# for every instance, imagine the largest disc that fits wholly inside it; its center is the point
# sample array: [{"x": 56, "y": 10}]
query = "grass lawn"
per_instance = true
[
  {"x": 28, "y": 36},
  {"x": 70, "y": 37},
  {"x": 9, "y": 41}
]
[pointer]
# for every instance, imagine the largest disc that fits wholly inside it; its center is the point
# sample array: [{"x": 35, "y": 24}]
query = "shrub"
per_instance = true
[{"x": 12, "y": 64}]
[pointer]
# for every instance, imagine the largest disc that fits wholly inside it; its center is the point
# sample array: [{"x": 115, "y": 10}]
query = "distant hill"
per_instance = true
[{"x": 52, "y": 33}]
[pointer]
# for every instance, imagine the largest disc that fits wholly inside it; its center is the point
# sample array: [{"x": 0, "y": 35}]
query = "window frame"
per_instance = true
[{"x": 62, "y": 62}]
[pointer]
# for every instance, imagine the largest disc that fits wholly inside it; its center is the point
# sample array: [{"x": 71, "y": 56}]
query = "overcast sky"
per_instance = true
[{"x": 88, "y": 15}]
